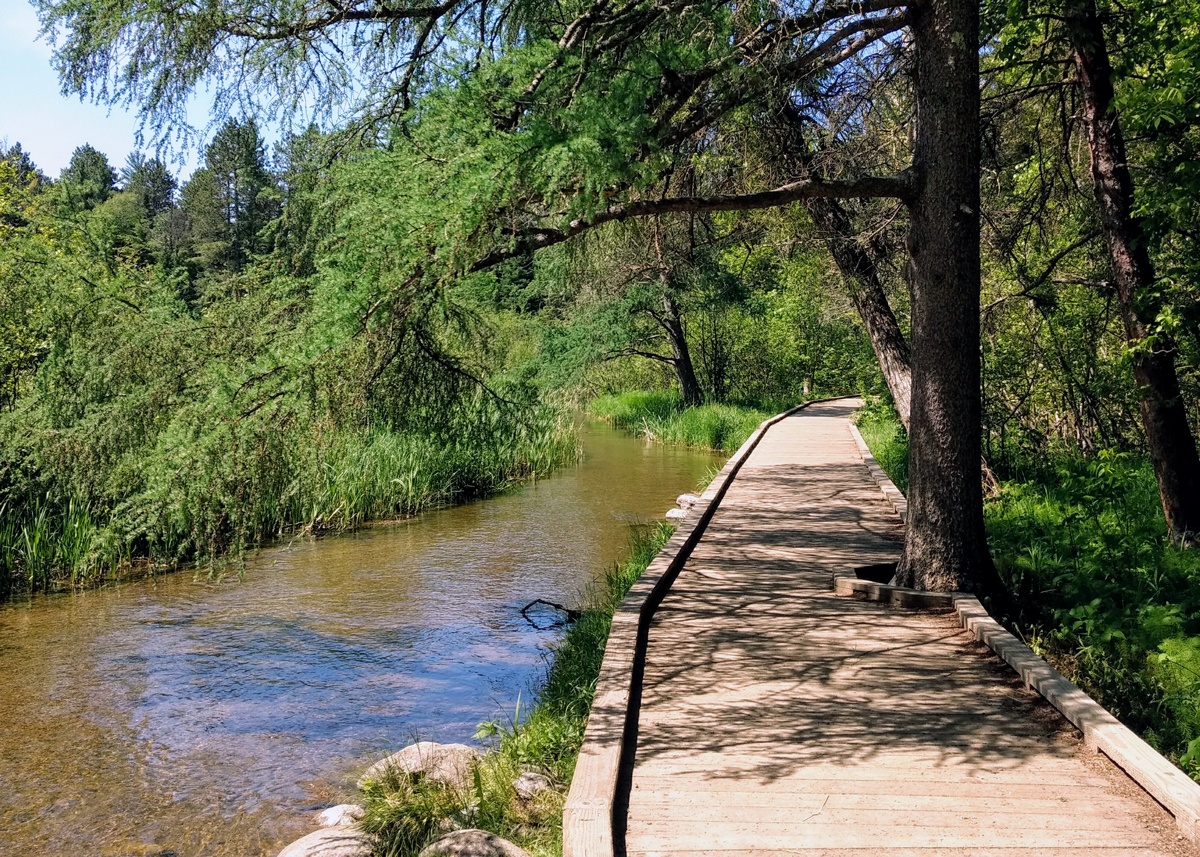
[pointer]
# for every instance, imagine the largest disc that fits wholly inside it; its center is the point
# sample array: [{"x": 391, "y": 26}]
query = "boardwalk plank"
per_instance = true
[{"x": 777, "y": 718}]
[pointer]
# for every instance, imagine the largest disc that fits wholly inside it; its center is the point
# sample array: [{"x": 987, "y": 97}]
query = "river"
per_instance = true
[{"x": 216, "y": 716}]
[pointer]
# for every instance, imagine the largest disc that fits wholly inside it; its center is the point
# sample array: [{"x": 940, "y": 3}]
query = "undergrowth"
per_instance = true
[
  {"x": 1104, "y": 594},
  {"x": 660, "y": 415},
  {"x": 405, "y": 813}
]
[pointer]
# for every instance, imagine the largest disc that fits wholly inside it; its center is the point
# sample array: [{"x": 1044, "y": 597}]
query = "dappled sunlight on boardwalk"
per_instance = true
[{"x": 777, "y": 718}]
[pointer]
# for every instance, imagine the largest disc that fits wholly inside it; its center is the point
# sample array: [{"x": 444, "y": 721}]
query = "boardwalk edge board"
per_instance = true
[
  {"x": 890, "y": 492},
  {"x": 1178, "y": 793},
  {"x": 588, "y": 816},
  {"x": 848, "y": 584}
]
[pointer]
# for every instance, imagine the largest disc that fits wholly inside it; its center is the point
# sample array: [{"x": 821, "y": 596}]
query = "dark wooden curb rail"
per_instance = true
[
  {"x": 1178, "y": 793},
  {"x": 588, "y": 817}
]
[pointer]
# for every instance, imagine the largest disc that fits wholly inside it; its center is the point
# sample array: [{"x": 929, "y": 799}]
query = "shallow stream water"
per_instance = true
[{"x": 216, "y": 716}]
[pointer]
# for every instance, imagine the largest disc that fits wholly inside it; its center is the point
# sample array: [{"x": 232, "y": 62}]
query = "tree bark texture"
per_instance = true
[
  {"x": 1168, "y": 436},
  {"x": 866, "y": 292},
  {"x": 945, "y": 546},
  {"x": 672, "y": 323}
]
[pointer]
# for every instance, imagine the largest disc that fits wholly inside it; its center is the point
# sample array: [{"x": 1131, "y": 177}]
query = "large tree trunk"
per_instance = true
[
  {"x": 672, "y": 323},
  {"x": 945, "y": 547},
  {"x": 866, "y": 293},
  {"x": 1168, "y": 436}
]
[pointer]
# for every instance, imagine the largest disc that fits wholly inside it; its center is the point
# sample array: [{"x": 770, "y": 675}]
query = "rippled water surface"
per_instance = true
[{"x": 214, "y": 717}]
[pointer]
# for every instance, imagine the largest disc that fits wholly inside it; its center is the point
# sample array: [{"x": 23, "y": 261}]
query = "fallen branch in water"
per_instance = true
[{"x": 572, "y": 615}]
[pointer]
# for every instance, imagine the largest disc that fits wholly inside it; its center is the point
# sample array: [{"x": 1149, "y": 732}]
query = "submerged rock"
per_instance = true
[
  {"x": 472, "y": 843},
  {"x": 330, "y": 842},
  {"x": 343, "y": 813},
  {"x": 531, "y": 784},
  {"x": 451, "y": 765}
]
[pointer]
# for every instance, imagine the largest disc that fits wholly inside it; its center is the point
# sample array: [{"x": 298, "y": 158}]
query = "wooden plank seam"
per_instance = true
[
  {"x": 588, "y": 816},
  {"x": 1178, "y": 793}
]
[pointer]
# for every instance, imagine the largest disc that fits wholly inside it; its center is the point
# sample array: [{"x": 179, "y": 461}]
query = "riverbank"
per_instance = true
[
  {"x": 1105, "y": 596},
  {"x": 660, "y": 415},
  {"x": 403, "y": 814},
  {"x": 230, "y": 501},
  {"x": 215, "y": 715}
]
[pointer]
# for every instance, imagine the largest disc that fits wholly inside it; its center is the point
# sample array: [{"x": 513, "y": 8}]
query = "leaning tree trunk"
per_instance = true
[
  {"x": 1164, "y": 419},
  {"x": 945, "y": 547},
  {"x": 859, "y": 271},
  {"x": 866, "y": 293},
  {"x": 685, "y": 370}
]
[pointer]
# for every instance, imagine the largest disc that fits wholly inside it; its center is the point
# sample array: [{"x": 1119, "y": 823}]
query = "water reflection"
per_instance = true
[{"x": 211, "y": 717}]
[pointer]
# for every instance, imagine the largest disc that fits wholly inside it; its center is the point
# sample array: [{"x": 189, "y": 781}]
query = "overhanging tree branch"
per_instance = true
[{"x": 899, "y": 186}]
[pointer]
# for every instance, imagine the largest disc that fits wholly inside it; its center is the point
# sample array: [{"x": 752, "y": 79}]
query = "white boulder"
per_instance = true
[
  {"x": 343, "y": 813},
  {"x": 330, "y": 842},
  {"x": 451, "y": 765},
  {"x": 472, "y": 843}
]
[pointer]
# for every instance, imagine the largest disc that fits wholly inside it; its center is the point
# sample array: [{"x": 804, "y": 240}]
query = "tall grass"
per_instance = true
[
  {"x": 1104, "y": 594},
  {"x": 203, "y": 497},
  {"x": 45, "y": 545},
  {"x": 404, "y": 814},
  {"x": 660, "y": 415}
]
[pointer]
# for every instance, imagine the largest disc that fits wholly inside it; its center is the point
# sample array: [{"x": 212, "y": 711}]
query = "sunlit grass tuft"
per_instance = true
[{"x": 661, "y": 416}]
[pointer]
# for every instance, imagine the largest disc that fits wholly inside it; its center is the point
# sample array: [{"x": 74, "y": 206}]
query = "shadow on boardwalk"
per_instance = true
[{"x": 778, "y": 718}]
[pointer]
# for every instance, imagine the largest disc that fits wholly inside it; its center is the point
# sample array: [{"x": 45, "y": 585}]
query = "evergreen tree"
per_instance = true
[
  {"x": 87, "y": 180},
  {"x": 151, "y": 181},
  {"x": 26, "y": 170},
  {"x": 230, "y": 199}
]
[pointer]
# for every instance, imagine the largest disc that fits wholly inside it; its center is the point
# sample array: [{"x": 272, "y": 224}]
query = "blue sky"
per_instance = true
[{"x": 47, "y": 125}]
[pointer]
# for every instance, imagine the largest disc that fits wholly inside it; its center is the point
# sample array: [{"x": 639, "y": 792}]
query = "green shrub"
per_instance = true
[{"x": 887, "y": 440}]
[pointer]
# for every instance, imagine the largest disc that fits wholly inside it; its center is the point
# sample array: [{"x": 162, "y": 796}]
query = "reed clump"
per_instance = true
[
  {"x": 661, "y": 416},
  {"x": 214, "y": 493}
]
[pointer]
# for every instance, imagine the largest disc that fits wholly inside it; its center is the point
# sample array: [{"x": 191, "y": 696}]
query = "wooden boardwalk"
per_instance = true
[{"x": 777, "y": 718}]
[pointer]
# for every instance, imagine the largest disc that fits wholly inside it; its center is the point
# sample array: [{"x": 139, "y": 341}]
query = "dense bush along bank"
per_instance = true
[
  {"x": 660, "y": 415},
  {"x": 1105, "y": 595},
  {"x": 231, "y": 489},
  {"x": 404, "y": 813}
]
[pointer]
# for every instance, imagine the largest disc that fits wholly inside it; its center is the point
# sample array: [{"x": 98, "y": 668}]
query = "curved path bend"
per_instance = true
[{"x": 779, "y": 719}]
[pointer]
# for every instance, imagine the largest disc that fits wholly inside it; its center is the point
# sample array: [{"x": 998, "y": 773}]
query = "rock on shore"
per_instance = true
[
  {"x": 340, "y": 815},
  {"x": 330, "y": 842},
  {"x": 472, "y": 843},
  {"x": 451, "y": 765}
]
